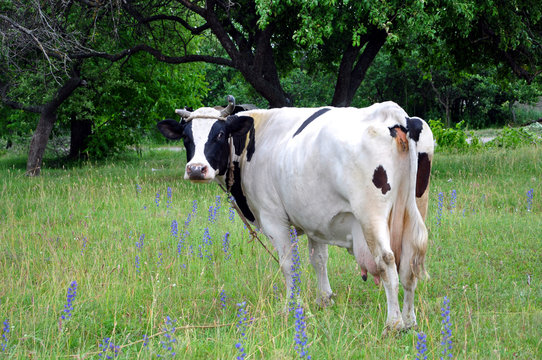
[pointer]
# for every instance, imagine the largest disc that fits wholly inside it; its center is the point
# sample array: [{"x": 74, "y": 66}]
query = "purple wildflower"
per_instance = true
[
  {"x": 194, "y": 207},
  {"x": 212, "y": 214},
  {"x": 296, "y": 281},
  {"x": 84, "y": 246},
  {"x": 169, "y": 338},
  {"x": 421, "y": 346},
  {"x": 242, "y": 328},
  {"x": 300, "y": 337},
  {"x": 223, "y": 299},
  {"x": 207, "y": 243},
  {"x": 68, "y": 308},
  {"x": 157, "y": 199},
  {"x": 530, "y": 195},
  {"x": 174, "y": 229},
  {"x": 447, "y": 330},
  {"x": 169, "y": 196},
  {"x": 4, "y": 338},
  {"x": 226, "y": 245},
  {"x": 439, "y": 209},
  {"x": 159, "y": 258},
  {"x": 453, "y": 198},
  {"x": 108, "y": 349},
  {"x": 145, "y": 340}
]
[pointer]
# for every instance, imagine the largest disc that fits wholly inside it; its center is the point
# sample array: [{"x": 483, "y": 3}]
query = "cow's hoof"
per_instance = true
[
  {"x": 411, "y": 326},
  {"x": 394, "y": 328},
  {"x": 325, "y": 301}
]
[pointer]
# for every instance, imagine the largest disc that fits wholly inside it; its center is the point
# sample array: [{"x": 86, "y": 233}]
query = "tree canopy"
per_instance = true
[{"x": 103, "y": 66}]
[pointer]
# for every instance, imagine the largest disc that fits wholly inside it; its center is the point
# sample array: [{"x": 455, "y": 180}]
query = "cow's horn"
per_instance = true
[
  {"x": 229, "y": 109},
  {"x": 183, "y": 113}
]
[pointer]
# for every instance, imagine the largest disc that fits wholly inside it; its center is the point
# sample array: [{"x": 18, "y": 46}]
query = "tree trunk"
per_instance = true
[
  {"x": 47, "y": 119},
  {"x": 39, "y": 142},
  {"x": 80, "y": 130},
  {"x": 354, "y": 66}
]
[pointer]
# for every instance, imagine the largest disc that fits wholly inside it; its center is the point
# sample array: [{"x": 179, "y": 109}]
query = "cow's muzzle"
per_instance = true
[{"x": 198, "y": 172}]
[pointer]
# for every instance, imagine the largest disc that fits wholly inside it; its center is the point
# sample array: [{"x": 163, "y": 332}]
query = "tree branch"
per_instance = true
[{"x": 156, "y": 53}]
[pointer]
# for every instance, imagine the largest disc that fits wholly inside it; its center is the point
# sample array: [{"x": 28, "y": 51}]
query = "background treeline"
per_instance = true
[{"x": 94, "y": 76}]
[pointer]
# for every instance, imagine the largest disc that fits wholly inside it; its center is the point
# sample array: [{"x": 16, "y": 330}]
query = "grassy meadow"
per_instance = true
[{"x": 92, "y": 266}]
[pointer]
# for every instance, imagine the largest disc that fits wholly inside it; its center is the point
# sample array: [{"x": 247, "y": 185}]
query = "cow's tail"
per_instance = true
[
  {"x": 416, "y": 232},
  {"x": 407, "y": 228}
]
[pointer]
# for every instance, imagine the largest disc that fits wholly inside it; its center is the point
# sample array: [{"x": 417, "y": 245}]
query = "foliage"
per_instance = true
[
  {"x": 124, "y": 103},
  {"x": 514, "y": 137},
  {"x": 453, "y": 138}
]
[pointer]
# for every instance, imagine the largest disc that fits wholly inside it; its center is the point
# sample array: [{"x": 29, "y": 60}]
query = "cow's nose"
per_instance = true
[{"x": 196, "y": 171}]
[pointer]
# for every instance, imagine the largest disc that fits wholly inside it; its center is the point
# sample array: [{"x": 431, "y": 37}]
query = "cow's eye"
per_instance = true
[{"x": 220, "y": 135}]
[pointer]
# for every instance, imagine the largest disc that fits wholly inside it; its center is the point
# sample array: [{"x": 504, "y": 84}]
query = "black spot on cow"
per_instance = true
[
  {"x": 311, "y": 119},
  {"x": 415, "y": 127},
  {"x": 251, "y": 148},
  {"x": 238, "y": 195},
  {"x": 216, "y": 148},
  {"x": 380, "y": 179},
  {"x": 422, "y": 177}
]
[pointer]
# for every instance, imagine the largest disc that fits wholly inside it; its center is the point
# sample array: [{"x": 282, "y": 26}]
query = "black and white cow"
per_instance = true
[{"x": 355, "y": 178}]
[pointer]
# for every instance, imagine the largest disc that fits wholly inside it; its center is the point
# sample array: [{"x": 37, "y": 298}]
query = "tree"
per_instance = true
[{"x": 38, "y": 40}]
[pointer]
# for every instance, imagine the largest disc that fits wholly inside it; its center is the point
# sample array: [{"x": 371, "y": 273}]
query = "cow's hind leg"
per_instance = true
[
  {"x": 318, "y": 255},
  {"x": 409, "y": 282},
  {"x": 378, "y": 240}
]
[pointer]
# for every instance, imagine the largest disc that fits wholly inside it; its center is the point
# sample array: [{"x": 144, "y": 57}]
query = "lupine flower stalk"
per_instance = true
[
  {"x": 194, "y": 207},
  {"x": 440, "y": 205},
  {"x": 300, "y": 337},
  {"x": 295, "y": 290},
  {"x": 212, "y": 215},
  {"x": 223, "y": 299},
  {"x": 108, "y": 349},
  {"x": 84, "y": 246},
  {"x": 453, "y": 198},
  {"x": 139, "y": 246},
  {"x": 169, "y": 338},
  {"x": 530, "y": 195},
  {"x": 421, "y": 347},
  {"x": 446, "y": 342},
  {"x": 169, "y": 196},
  {"x": 68, "y": 308},
  {"x": 207, "y": 243},
  {"x": 242, "y": 328},
  {"x": 5, "y": 336},
  {"x": 226, "y": 245}
]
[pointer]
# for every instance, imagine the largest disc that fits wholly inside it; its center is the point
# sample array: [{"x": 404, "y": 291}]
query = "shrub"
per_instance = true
[
  {"x": 453, "y": 138},
  {"x": 514, "y": 137}
]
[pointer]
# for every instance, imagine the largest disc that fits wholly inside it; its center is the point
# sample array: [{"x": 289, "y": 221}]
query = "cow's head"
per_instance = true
[{"x": 205, "y": 133}]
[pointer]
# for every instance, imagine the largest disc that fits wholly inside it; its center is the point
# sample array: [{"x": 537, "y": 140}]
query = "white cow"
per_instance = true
[{"x": 355, "y": 178}]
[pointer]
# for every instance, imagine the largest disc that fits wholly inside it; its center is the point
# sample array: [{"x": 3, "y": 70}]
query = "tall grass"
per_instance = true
[{"x": 144, "y": 289}]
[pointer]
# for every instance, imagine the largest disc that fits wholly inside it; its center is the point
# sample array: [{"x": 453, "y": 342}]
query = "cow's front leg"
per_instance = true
[
  {"x": 318, "y": 255},
  {"x": 279, "y": 234}
]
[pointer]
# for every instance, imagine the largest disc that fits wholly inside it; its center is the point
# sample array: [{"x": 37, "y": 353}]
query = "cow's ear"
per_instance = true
[
  {"x": 239, "y": 125},
  {"x": 171, "y": 129}
]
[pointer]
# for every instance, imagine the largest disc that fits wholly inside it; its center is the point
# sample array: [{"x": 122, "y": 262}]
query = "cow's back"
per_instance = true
[{"x": 313, "y": 175}]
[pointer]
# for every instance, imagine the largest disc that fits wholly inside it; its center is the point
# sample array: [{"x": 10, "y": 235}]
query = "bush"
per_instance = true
[
  {"x": 514, "y": 137},
  {"x": 453, "y": 138}
]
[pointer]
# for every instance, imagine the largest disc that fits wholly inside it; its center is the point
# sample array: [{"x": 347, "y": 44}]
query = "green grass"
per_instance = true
[{"x": 82, "y": 223}]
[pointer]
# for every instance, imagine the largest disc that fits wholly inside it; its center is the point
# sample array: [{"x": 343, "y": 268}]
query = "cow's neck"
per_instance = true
[{"x": 239, "y": 147}]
